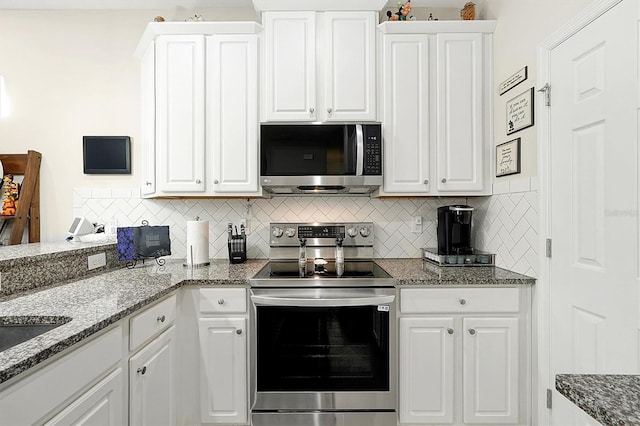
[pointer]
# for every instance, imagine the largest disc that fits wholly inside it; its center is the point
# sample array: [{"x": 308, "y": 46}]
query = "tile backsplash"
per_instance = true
[{"x": 391, "y": 218}]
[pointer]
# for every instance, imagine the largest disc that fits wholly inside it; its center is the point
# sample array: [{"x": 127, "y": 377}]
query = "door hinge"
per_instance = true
[
  {"x": 549, "y": 394},
  {"x": 546, "y": 89},
  {"x": 548, "y": 247}
]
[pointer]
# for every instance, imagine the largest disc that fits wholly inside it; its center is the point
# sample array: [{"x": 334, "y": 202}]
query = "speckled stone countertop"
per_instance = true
[
  {"x": 613, "y": 400},
  {"x": 413, "y": 272},
  {"x": 89, "y": 305},
  {"x": 93, "y": 303},
  {"x": 22, "y": 252}
]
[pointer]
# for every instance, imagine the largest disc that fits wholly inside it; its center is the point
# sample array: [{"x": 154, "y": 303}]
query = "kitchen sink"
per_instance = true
[{"x": 15, "y": 330}]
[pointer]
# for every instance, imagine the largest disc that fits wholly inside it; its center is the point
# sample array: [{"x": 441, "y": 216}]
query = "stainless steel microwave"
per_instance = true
[{"x": 321, "y": 158}]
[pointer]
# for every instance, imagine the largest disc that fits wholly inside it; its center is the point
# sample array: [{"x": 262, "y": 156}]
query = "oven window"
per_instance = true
[{"x": 322, "y": 349}]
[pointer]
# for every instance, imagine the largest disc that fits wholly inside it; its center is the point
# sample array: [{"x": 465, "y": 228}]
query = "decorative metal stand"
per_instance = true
[{"x": 132, "y": 263}]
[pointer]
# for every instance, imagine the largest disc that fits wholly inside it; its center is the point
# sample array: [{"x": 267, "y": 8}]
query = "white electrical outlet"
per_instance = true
[
  {"x": 416, "y": 224},
  {"x": 96, "y": 260},
  {"x": 246, "y": 223}
]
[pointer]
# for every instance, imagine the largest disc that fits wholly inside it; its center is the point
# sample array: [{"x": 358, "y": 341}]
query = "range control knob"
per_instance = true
[
  {"x": 277, "y": 232},
  {"x": 290, "y": 232},
  {"x": 352, "y": 232},
  {"x": 365, "y": 232}
]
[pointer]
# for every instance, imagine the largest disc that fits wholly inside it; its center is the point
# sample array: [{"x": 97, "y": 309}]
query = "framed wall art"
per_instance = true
[
  {"x": 508, "y": 158},
  {"x": 520, "y": 112},
  {"x": 511, "y": 82}
]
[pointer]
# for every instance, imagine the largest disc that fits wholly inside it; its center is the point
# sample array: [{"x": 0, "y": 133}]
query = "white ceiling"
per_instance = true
[{"x": 171, "y": 4}]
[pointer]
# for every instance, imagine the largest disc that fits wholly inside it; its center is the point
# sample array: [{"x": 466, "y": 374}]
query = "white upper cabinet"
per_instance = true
[
  {"x": 407, "y": 110},
  {"x": 319, "y": 66},
  {"x": 462, "y": 112},
  {"x": 200, "y": 109},
  {"x": 232, "y": 112},
  {"x": 290, "y": 66},
  {"x": 436, "y": 107},
  {"x": 180, "y": 143}
]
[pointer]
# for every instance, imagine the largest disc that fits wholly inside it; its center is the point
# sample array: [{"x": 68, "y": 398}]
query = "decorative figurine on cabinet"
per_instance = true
[
  {"x": 10, "y": 190},
  {"x": 468, "y": 12},
  {"x": 403, "y": 13}
]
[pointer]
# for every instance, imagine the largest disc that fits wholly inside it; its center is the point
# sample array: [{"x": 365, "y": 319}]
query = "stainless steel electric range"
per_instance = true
[{"x": 323, "y": 320}]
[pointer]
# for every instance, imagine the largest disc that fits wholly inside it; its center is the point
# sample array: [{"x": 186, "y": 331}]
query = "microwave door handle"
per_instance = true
[
  {"x": 359, "y": 150},
  {"x": 327, "y": 302}
]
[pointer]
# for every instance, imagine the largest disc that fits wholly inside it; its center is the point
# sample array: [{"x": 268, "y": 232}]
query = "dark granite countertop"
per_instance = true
[
  {"x": 415, "y": 272},
  {"x": 96, "y": 302},
  {"x": 611, "y": 399}
]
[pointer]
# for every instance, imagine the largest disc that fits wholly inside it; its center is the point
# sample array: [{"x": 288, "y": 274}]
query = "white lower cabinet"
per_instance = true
[
  {"x": 100, "y": 405},
  {"x": 222, "y": 335},
  {"x": 223, "y": 389},
  {"x": 463, "y": 357},
  {"x": 152, "y": 399},
  {"x": 81, "y": 387}
]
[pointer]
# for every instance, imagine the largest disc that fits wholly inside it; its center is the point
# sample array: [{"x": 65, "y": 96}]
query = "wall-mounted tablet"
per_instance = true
[{"x": 106, "y": 154}]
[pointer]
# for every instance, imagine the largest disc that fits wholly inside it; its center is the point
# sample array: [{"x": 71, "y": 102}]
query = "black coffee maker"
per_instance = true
[{"x": 454, "y": 229}]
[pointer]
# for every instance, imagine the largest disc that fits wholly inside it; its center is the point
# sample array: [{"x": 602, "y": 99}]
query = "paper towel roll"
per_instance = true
[{"x": 197, "y": 242}]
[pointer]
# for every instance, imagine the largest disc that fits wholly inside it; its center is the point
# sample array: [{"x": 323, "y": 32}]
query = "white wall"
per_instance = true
[
  {"x": 522, "y": 24},
  {"x": 69, "y": 74}
]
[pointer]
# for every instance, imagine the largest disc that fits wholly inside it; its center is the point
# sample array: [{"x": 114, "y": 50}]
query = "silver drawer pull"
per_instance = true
[
  {"x": 472, "y": 331},
  {"x": 444, "y": 180},
  {"x": 142, "y": 370},
  {"x": 220, "y": 301},
  {"x": 161, "y": 319},
  {"x": 450, "y": 330},
  {"x": 463, "y": 302},
  {"x": 239, "y": 331}
]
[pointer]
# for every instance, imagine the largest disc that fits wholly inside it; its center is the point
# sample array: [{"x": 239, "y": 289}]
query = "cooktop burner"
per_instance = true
[{"x": 287, "y": 273}]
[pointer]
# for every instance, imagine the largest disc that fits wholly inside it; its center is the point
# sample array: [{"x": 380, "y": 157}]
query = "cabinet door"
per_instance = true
[
  {"x": 100, "y": 405},
  {"x": 426, "y": 370},
  {"x": 152, "y": 399},
  {"x": 461, "y": 112},
  {"x": 407, "y": 113},
  {"x": 180, "y": 125},
  {"x": 490, "y": 370},
  {"x": 223, "y": 379},
  {"x": 232, "y": 112},
  {"x": 350, "y": 82},
  {"x": 148, "y": 131},
  {"x": 290, "y": 66}
]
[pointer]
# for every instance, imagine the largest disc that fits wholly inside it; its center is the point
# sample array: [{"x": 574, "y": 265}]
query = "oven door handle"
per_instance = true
[{"x": 301, "y": 301}]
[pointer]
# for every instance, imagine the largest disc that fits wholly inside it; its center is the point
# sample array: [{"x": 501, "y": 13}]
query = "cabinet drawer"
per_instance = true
[
  {"x": 152, "y": 321},
  {"x": 223, "y": 300},
  {"x": 456, "y": 300}
]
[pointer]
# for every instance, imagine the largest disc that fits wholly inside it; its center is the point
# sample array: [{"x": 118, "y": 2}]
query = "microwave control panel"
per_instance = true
[{"x": 372, "y": 150}]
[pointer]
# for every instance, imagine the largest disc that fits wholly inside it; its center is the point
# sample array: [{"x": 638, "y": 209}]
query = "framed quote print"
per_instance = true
[
  {"x": 508, "y": 158},
  {"x": 520, "y": 112}
]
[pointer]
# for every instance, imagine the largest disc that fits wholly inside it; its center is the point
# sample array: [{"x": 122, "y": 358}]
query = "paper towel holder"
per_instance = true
[{"x": 191, "y": 264}]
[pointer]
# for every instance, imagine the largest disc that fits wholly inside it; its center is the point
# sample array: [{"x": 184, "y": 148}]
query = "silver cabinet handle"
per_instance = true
[
  {"x": 161, "y": 319},
  {"x": 148, "y": 183},
  {"x": 329, "y": 110},
  {"x": 142, "y": 370},
  {"x": 216, "y": 181},
  {"x": 239, "y": 331},
  {"x": 444, "y": 180},
  {"x": 450, "y": 330},
  {"x": 463, "y": 302},
  {"x": 426, "y": 181},
  {"x": 220, "y": 301},
  {"x": 312, "y": 110},
  {"x": 198, "y": 181},
  {"x": 472, "y": 331}
]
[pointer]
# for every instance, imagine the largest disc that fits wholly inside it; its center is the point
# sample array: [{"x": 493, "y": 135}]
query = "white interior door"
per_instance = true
[{"x": 593, "y": 271}]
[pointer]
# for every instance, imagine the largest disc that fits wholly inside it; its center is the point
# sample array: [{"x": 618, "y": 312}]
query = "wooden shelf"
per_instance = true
[{"x": 27, "y": 165}]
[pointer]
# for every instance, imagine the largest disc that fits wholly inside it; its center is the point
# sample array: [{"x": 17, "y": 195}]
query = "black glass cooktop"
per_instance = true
[{"x": 320, "y": 269}]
